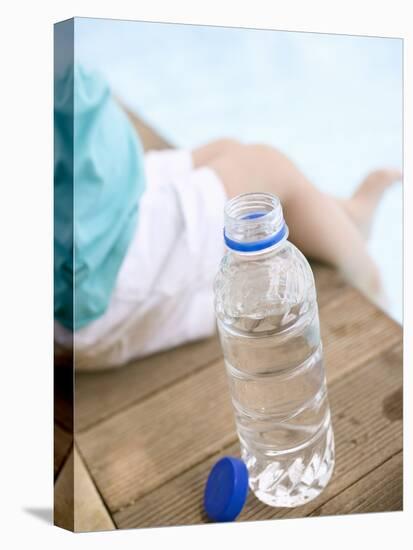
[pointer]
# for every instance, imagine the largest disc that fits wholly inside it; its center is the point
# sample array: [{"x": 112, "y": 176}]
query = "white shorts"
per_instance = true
[{"x": 163, "y": 296}]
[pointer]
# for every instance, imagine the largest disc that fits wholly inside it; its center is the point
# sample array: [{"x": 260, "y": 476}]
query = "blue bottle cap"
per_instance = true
[{"x": 226, "y": 489}]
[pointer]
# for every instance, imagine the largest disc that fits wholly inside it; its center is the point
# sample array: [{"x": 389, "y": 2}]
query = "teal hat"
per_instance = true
[{"x": 98, "y": 180}]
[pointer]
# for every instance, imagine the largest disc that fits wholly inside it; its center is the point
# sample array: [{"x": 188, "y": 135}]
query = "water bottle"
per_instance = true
[{"x": 267, "y": 316}]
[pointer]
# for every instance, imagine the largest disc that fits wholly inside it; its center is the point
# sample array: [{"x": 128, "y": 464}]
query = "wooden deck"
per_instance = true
[{"x": 147, "y": 434}]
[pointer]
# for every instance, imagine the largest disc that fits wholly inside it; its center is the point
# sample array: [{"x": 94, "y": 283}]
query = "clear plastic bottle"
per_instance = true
[{"x": 267, "y": 314}]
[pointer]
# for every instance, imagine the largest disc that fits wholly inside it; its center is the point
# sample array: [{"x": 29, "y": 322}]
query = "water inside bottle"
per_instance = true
[{"x": 278, "y": 391}]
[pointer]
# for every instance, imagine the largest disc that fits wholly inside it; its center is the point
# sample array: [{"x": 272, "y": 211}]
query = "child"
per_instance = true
[{"x": 147, "y": 229}]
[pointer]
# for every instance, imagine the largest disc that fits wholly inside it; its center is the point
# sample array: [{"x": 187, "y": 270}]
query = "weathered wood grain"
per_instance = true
[
  {"x": 353, "y": 330},
  {"x": 102, "y": 394},
  {"x": 178, "y": 501},
  {"x": 90, "y": 511},
  {"x": 63, "y": 509},
  {"x": 379, "y": 491},
  {"x": 136, "y": 450},
  {"x": 78, "y": 506},
  {"x": 365, "y": 439},
  {"x": 365, "y": 436}
]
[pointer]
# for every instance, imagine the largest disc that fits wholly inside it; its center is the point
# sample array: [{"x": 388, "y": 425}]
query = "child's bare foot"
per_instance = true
[{"x": 363, "y": 203}]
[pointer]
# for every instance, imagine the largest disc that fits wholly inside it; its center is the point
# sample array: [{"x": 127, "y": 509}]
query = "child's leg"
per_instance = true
[
  {"x": 319, "y": 224},
  {"x": 206, "y": 153},
  {"x": 362, "y": 205}
]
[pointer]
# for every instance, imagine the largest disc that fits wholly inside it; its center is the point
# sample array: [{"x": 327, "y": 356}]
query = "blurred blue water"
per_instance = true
[{"x": 332, "y": 103}]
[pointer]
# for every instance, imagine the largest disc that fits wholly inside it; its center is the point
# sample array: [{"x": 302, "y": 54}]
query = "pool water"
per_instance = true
[{"x": 332, "y": 103}]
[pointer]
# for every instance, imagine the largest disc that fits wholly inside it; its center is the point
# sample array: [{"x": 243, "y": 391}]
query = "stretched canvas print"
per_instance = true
[{"x": 227, "y": 274}]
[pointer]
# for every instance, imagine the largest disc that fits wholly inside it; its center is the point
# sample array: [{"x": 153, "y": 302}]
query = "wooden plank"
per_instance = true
[
  {"x": 136, "y": 450},
  {"x": 63, "y": 440},
  {"x": 63, "y": 509},
  {"x": 379, "y": 491},
  {"x": 154, "y": 436},
  {"x": 366, "y": 436},
  {"x": 90, "y": 511},
  {"x": 353, "y": 330},
  {"x": 179, "y": 501},
  {"x": 102, "y": 394},
  {"x": 78, "y": 506}
]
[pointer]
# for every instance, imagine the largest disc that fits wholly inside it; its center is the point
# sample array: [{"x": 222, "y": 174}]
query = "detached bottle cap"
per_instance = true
[{"x": 226, "y": 489}]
